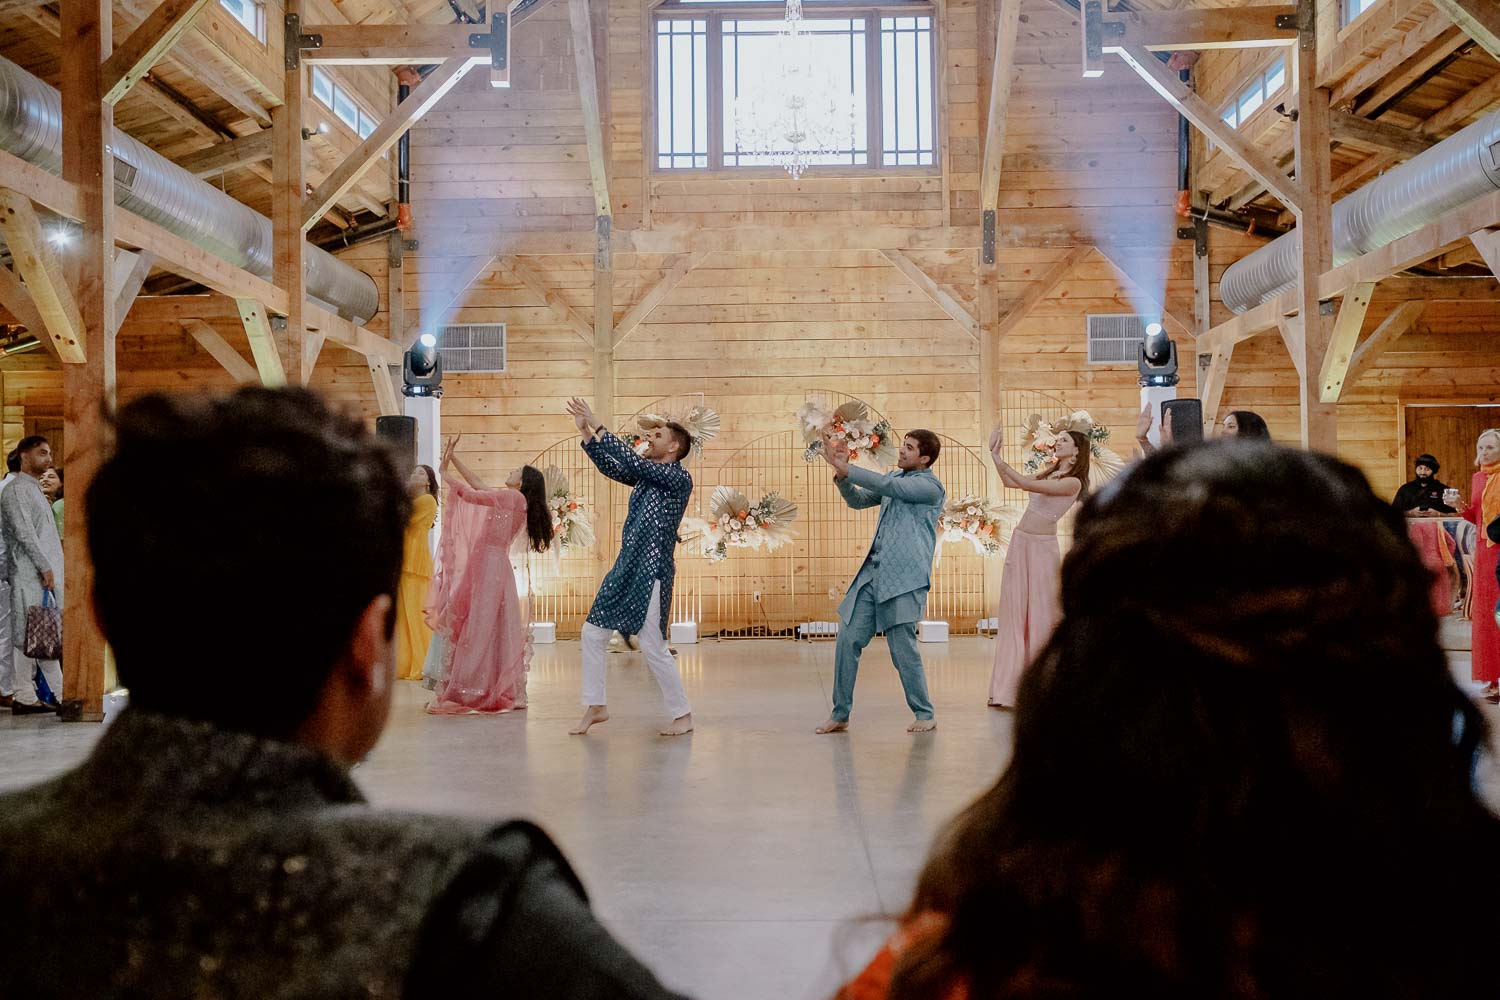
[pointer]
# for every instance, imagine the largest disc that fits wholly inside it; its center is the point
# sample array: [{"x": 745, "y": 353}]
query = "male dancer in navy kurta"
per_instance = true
[{"x": 637, "y": 593}]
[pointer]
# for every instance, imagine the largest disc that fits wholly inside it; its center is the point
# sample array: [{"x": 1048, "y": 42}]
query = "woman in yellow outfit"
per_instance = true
[{"x": 412, "y": 634}]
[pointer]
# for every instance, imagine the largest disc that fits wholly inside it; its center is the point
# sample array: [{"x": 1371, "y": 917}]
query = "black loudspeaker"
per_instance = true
[
  {"x": 1187, "y": 419},
  {"x": 401, "y": 434}
]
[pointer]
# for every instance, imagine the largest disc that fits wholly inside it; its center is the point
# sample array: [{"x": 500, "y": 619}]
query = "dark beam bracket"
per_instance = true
[
  {"x": 296, "y": 41},
  {"x": 987, "y": 245},
  {"x": 497, "y": 41}
]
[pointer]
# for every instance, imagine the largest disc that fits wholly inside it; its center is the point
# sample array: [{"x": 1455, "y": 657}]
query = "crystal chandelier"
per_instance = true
[{"x": 796, "y": 109}]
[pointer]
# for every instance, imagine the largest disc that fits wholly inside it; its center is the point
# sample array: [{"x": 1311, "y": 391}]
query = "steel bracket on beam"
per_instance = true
[
  {"x": 497, "y": 41},
  {"x": 1326, "y": 307},
  {"x": 296, "y": 41},
  {"x": 278, "y": 324},
  {"x": 1288, "y": 22},
  {"x": 987, "y": 239}
]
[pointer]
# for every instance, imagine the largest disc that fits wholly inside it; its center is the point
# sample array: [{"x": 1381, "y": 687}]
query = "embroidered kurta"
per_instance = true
[
  {"x": 899, "y": 563},
  {"x": 31, "y": 538},
  {"x": 658, "y": 499}
]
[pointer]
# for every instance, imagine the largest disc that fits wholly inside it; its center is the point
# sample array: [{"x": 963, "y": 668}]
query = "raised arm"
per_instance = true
[
  {"x": 1039, "y": 483},
  {"x": 469, "y": 474},
  {"x": 632, "y": 468},
  {"x": 908, "y": 489}
]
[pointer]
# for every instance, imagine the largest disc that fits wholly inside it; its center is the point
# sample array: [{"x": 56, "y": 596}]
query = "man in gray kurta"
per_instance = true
[
  {"x": 890, "y": 591},
  {"x": 35, "y": 559}
]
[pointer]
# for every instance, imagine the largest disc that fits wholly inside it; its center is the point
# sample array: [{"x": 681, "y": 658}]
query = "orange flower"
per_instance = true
[
  {"x": 874, "y": 439},
  {"x": 854, "y": 456}
]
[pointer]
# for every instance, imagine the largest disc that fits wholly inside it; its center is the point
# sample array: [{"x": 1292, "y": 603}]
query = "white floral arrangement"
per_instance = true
[
  {"x": 734, "y": 522},
  {"x": 701, "y": 423},
  {"x": 974, "y": 520},
  {"x": 852, "y": 424},
  {"x": 572, "y": 525},
  {"x": 1042, "y": 437}
]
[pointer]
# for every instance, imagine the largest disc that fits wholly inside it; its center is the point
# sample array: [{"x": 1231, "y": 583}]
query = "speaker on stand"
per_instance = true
[{"x": 401, "y": 434}]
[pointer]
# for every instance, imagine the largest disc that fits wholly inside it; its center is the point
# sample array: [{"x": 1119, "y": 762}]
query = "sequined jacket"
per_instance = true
[
  {"x": 180, "y": 860},
  {"x": 657, "y": 503}
]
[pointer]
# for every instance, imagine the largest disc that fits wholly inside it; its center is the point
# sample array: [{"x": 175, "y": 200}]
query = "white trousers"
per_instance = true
[
  {"x": 595, "y": 642},
  {"x": 10, "y": 683}
]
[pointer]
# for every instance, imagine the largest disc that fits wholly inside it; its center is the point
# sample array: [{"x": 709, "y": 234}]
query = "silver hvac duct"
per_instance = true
[
  {"x": 1402, "y": 200},
  {"x": 154, "y": 188}
]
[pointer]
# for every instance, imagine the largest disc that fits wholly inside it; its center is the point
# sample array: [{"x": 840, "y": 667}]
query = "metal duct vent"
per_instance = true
[
  {"x": 125, "y": 174},
  {"x": 1115, "y": 338},
  {"x": 1399, "y": 202},
  {"x": 160, "y": 191},
  {"x": 472, "y": 347}
]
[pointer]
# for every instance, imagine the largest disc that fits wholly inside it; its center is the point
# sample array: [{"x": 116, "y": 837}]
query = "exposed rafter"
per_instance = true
[
  {"x": 656, "y": 294},
  {"x": 945, "y": 300},
  {"x": 1479, "y": 19},
  {"x": 220, "y": 350},
  {"x": 147, "y": 44},
  {"x": 1002, "y": 73},
  {"x": 1392, "y": 329},
  {"x": 39, "y": 267},
  {"x": 533, "y": 283}
]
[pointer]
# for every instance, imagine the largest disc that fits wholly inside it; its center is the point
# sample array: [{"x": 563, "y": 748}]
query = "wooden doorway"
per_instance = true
[{"x": 1448, "y": 433}]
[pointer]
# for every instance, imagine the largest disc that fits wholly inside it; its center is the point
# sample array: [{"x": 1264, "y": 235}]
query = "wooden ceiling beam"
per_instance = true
[
  {"x": 257, "y": 323},
  {"x": 230, "y": 155},
  {"x": 1038, "y": 292},
  {"x": 1346, "y": 330},
  {"x": 15, "y": 298},
  {"x": 131, "y": 269},
  {"x": 1411, "y": 73},
  {"x": 593, "y": 104},
  {"x": 533, "y": 283},
  {"x": 386, "y": 134},
  {"x": 1002, "y": 75},
  {"x": 39, "y": 267},
  {"x": 1207, "y": 120},
  {"x": 220, "y": 350},
  {"x": 941, "y": 297},
  {"x": 1352, "y": 128},
  {"x": 1218, "y": 28},
  {"x": 1373, "y": 26},
  {"x": 1479, "y": 19},
  {"x": 392, "y": 44},
  {"x": 147, "y": 44},
  {"x": 656, "y": 294},
  {"x": 1391, "y": 329}
]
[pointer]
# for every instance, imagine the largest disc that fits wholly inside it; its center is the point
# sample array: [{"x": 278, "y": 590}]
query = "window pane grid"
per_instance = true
[
  {"x": 736, "y": 47},
  {"x": 1266, "y": 86}
]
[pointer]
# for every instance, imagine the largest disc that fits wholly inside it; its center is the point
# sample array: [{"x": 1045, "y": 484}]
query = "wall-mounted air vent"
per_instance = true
[
  {"x": 472, "y": 347},
  {"x": 1115, "y": 338}
]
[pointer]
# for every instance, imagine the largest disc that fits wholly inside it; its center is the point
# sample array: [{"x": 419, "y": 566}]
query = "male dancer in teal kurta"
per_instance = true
[{"x": 890, "y": 590}]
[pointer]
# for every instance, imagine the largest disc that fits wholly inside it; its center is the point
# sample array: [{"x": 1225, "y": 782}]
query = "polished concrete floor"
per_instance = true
[{"x": 739, "y": 862}]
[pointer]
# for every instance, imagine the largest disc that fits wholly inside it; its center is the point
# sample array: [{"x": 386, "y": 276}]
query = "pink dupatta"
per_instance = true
[{"x": 474, "y": 605}]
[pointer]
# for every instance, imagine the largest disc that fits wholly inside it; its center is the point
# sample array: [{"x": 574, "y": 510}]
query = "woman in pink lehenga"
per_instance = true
[
  {"x": 1029, "y": 602},
  {"x": 473, "y": 605}
]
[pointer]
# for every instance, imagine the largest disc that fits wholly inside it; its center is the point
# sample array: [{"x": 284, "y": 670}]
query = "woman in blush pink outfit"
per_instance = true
[
  {"x": 473, "y": 604},
  {"x": 1029, "y": 608}
]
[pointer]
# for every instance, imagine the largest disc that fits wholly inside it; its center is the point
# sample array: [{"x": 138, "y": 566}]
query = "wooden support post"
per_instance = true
[
  {"x": 15, "y": 297},
  {"x": 38, "y": 266},
  {"x": 1196, "y": 110},
  {"x": 1319, "y": 424},
  {"x": 655, "y": 295},
  {"x": 940, "y": 296},
  {"x": 1002, "y": 70},
  {"x": 288, "y": 190},
  {"x": 1479, "y": 19},
  {"x": 220, "y": 350},
  {"x": 1346, "y": 329},
  {"x": 604, "y": 380},
  {"x": 1202, "y": 321},
  {"x": 395, "y": 286},
  {"x": 147, "y": 44},
  {"x": 589, "y": 96},
  {"x": 1392, "y": 329},
  {"x": 268, "y": 360},
  {"x": 88, "y": 385}
]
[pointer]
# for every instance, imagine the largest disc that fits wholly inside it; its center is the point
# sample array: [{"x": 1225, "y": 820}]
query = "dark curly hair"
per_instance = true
[{"x": 1255, "y": 785}]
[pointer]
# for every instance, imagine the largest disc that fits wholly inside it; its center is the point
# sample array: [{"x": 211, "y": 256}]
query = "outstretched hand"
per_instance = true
[
  {"x": 448, "y": 452},
  {"x": 997, "y": 439},
  {"x": 1144, "y": 421},
  {"x": 836, "y": 454},
  {"x": 582, "y": 414}
]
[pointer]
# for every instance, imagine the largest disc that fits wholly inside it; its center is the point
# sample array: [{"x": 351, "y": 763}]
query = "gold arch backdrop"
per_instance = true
[{"x": 754, "y": 593}]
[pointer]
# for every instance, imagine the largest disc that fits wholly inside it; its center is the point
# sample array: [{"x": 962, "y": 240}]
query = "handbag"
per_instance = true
[{"x": 44, "y": 629}]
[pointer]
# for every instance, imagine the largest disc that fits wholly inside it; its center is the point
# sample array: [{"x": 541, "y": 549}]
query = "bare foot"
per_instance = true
[
  {"x": 592, "y": 715},
  {"x": 832, "y": 726},
  {"x": 1003, "y": 708},
  {"x": 680, "y": 726},
  {"x": 922, "y": 726}
]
